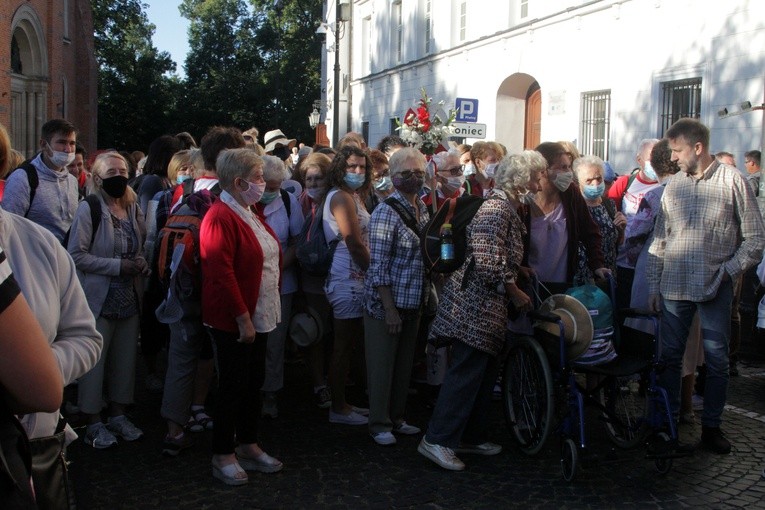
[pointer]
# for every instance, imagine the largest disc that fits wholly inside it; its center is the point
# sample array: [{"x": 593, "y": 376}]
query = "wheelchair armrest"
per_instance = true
[
  {"x": 637, "y": 313},
  {"x": 543, "y": 316}
]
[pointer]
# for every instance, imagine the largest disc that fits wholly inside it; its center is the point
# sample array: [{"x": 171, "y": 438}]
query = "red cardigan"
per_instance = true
[{"x": 232, "y": 266}]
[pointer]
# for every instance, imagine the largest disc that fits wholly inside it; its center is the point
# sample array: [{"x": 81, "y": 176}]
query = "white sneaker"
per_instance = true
[
  {"x": 406, "y": 429},
  {"x": 383, "y": 438},
  {"x": 486, "y": 448},
  {"x": 99, "y": 437},
  {"x": 352, "y": 418},
  {"x": 441, "y": 455},
  {"x": 122, "y": 427}
]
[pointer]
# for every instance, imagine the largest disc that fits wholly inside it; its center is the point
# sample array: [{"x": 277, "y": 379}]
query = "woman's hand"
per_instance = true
[
  {"x": 393, "y": 321},
  {"x": 620, "y": 221},
  {"x": 520, "y": 300},
  {"x": 246, "y": 329},
  {"x": 143, "y": 266},
  {"x": 129, "y": 267},
  {"x": 603, "y": 273}
]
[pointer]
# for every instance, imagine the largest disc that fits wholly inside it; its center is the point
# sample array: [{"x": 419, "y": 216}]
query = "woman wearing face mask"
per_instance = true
[
  {"x": 286, "y": 220},
  {"x": 345, "y": 215},
  {"x": 485, "y": 156},
  {"x": 558, "y": 220},
  {"x": 382, "y": 185},
  {"x": 588, "y": 171},
  {"x": 394, "y": 291},
  {"x": 472, "y": 314},
  {"x": 314, "y": 169},
  {"x": 241, "y": 307},
  {"x": 110, "y": 269}
]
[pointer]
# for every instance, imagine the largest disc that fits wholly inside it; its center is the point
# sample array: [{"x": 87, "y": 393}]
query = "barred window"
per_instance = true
[
  {"x": 428, "y": 26},
  {"x": 463, "y": 21},
  {"x": 596, "y": 123},
  {"x": 398, "y": 20},
  {"x": 393, "y": 126},
  {"x": 679, "y": 98}
]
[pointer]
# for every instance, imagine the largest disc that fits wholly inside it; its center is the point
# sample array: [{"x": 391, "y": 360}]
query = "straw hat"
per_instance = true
[
  {"x": 275, "y": 138},
  {"x": 577, "y": 323},
  {"x": 306, "y": 328}
]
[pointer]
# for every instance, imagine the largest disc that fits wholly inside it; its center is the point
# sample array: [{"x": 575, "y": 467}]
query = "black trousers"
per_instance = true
[{"x": 241, "y": 370}]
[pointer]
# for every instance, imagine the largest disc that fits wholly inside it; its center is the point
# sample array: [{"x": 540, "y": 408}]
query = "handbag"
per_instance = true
[
  {"x": 50, "y": 470},
  {"x": 15, "y": 462}
]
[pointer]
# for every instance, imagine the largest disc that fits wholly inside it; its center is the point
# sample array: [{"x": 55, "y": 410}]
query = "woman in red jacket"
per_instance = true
[{"x": 240, "y": 306}]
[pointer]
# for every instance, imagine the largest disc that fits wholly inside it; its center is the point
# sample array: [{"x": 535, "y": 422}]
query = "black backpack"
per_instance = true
[
  {"x": 33, "y": 178},
  {"x": 459, "y": 212},
  {"x": 313, "y": 252}
]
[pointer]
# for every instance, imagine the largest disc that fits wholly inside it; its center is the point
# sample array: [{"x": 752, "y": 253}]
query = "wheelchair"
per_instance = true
[{"x": 543, "y": 391}]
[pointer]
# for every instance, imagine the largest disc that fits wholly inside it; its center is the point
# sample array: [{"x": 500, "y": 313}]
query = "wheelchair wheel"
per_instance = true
[
  {"x": 626, "y": 402},
  {"x": 527, "y": 388},
  {"x": 663, "y": 465},
  {"x": 569, "y": 459}
]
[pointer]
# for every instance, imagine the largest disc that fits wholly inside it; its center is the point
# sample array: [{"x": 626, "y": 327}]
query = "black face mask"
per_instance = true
[
  {"x": 115, "y": 186},
  {"x": 282, "y": 152}
]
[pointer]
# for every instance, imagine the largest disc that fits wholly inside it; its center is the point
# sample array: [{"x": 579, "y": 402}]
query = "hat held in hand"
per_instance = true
[
  {"x": 577, "y": 323},
  {"x": 306, "y": 328}
]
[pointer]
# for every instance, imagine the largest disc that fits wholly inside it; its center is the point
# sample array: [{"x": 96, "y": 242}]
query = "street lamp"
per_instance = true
[{"x": 313, "y": 118}]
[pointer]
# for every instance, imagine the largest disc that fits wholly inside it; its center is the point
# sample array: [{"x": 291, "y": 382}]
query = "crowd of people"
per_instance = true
[{"x": 681, "y": 234}]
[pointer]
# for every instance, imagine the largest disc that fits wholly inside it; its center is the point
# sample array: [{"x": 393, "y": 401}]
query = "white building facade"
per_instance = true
[{"x": 602, "y": 73}]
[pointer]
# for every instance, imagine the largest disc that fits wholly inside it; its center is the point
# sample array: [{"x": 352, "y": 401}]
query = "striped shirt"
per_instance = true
[
  {"x": 706, "y": 227},
  {"x": 9, "y": 289}
]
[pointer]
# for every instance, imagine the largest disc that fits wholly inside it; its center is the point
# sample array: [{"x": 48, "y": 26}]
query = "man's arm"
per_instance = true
[{"x": 750, "y": 224}]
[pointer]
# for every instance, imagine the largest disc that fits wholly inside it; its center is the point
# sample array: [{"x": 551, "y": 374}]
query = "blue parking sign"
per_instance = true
[{"x": 467, "y": 109}]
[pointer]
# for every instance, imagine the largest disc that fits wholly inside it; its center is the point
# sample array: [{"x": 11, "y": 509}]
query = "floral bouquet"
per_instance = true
[{"x": 425, "y": 130}]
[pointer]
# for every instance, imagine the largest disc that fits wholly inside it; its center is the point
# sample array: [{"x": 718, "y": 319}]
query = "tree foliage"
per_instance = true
[
  {"x": 253, "y": 63},
  {"x": 136, "y": 96}
]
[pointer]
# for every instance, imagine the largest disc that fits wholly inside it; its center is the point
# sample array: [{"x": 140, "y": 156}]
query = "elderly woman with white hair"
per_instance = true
[
  {"x": 240, "y": 306},
  {"x": 394, "y": 290},
  {"x": 481, "y": 288},
  {"x": 589, "y": 172},
  {"x": 284, "y": 215}
]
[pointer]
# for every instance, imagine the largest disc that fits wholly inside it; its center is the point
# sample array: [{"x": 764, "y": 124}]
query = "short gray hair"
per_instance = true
[
  {"x": 233, "y": 163},
  {"x": 643, "y": 145},
  {"x": 274, "y": 168},
  {"x": 589, "y": 161},
  {"x": 514, "y": 172},
  {"x": 397, "y": 159}
]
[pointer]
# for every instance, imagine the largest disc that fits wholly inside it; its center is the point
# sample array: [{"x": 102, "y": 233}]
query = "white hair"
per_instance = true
[{"x": 274, "y": 168}]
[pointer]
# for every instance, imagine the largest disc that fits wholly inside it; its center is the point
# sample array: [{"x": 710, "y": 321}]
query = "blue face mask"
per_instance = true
[
  {"x": 591, "y": 192},
  {"x": 384, "y": 184},
  {"x": 354, "y": 181},
  {"x": 650, "y": 172},
  {"x": 269, "y": 196},
  {"x": 181, "y": 178}
]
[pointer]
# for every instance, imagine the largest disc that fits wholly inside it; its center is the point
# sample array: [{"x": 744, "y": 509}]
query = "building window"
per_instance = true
[
  {"x": 679, "y": 98},
  {"x": 393, "y": 126},
  {"x": 428, "y": 26},
  {"x": 596, "y": 121},
  {"x": 366, "y": 45},
  {"x": 365, "y": 130},
  {"x": 463, "y": 20},
  {"x": 398, "y": 20},
  {"x": 524, "y": 8}
]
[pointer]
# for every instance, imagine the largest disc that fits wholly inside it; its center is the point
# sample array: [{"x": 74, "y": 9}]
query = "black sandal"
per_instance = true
[{"x": 199, "y": 421}]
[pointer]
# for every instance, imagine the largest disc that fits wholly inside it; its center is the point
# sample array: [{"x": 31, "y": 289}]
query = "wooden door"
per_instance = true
[{"x": 532, "y": 133}]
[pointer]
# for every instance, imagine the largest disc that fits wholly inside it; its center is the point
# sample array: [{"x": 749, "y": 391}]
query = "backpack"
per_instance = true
[
  {"x": 15, "y": 461},
  {"x": 177, "y": 246},
  {"x": 313, "y": 252},
  {"x": 598, "y": 304},
  {"x": 33, "y": 178},
  {"x": 459, "y": 212}
]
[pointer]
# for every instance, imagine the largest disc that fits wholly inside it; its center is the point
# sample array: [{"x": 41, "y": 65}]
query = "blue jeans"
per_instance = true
[
  {"x": 715, "y": 335},
  {"x": 462, "y": 410}
]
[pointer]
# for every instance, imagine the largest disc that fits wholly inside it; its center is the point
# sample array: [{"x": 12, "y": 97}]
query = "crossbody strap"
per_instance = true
[{"x": 406, "y": 216}]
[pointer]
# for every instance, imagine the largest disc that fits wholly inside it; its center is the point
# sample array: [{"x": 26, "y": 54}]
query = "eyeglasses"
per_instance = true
[
  {"x": 455, "y": 171},
  {"x": 406, "y": 174}
]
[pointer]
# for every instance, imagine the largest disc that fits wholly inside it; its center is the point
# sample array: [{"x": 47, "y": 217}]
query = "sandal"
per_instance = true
[
  {"x": 199, "y": 421},
  {"x": 263, "y": 463},
  {"x": 230, "y": 474}
]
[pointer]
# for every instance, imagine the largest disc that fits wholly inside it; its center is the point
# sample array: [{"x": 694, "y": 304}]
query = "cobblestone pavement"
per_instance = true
[{"x": 339, "y": 466}]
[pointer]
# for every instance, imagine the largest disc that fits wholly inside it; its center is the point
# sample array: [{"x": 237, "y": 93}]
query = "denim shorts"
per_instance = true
[{"x": 346, "y": 298}]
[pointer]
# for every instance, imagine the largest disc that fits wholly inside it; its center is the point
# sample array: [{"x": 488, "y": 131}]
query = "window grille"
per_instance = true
[
  {"x": 679, "y": 98},
  {"x": 596, "y": 122}
]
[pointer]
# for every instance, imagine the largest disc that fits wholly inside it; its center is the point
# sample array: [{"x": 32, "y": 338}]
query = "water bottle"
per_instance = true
[{"x": 447, "y": 242}]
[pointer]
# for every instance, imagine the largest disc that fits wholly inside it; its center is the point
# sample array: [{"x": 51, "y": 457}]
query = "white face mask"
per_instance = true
[
  {"x": 563, "y": 180},
  {"x": 452, "y": 184},
  {"x": 60, "y": 158},
  {"x": 315, "y": 193},
  {"x": 490, "y": 169},
  {"x": 468, "y": 169},
  {"x": 254, "y": 191}
]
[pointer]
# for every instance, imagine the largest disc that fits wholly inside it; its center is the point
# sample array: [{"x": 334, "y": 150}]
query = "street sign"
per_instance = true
[
  {"x": 469, "y": 130},
  {"x": 467, "y": 109}
]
